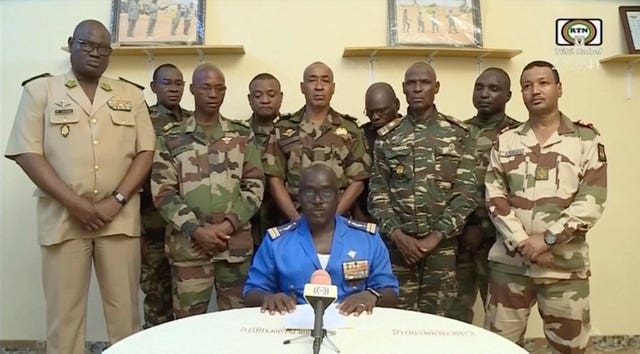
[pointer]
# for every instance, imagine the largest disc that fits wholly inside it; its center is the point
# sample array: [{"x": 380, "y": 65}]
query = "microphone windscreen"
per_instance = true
[{"x": 320, "y": 277}]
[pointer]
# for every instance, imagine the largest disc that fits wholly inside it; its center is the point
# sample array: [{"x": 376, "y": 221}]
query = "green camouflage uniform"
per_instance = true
[
  {"x": 155, "y": 276},
  {"x": 268, "y": 215},
  {"x": 198, "y": 179},
  {"x": 423, "y": 181},
  {"x": 561, "y": 187},
  {"x": 296, "y": 145},
  {"x": 472, "y": 268}
]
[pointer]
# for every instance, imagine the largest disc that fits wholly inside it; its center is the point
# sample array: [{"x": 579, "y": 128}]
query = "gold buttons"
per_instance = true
[
  {"x": 95, "y": 142},
  {"x": 95, "y": 191},
  {"x": 93, "y": 120},
  {"x": 96, "y": 167}
]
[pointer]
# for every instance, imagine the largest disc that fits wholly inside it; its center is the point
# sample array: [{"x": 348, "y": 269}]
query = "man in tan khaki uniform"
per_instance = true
[{"x": 86, "y": 141}]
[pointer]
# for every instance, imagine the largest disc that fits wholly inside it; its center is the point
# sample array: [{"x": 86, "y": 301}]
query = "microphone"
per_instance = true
[{"x": 319, "y": 294}]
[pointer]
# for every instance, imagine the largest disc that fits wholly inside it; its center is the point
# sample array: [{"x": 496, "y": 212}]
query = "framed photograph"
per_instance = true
[
  {"x": 435, "y": 23},
  {"x": 157, "y": 22},
  {"x": 630, "y": 17}
]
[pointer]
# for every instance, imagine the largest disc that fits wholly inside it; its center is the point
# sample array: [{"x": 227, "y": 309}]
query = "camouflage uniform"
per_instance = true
[
  {"x": 472, "y": 267},
  {"x": 268, "y": 215},
  {"x": 559, "y": 187},
  {"x": 198, "y": 179},
  {"x": 423, "y": 181},
  {"x": 155, "y": 276},
  {"x": 296, "y": 145}
]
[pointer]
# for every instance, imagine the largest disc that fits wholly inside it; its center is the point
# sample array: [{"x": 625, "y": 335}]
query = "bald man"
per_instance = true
[
  {"x": 316, "y": 134},
  {"x": 207, "y": 183},
  {"x": 422, "y": 190},
  {"x": 381, "y": 106},
  {"x": 86, "y": 141}
]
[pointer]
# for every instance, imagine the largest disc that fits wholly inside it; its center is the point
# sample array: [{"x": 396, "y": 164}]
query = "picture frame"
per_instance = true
[
  {"x": 448, "y": 23},
  {"x": 630, "y": 18},
  {"x": 157, "y": 22}
]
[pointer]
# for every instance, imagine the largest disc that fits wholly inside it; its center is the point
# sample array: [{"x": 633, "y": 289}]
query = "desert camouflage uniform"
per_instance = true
[
  {"x": 561, "y": 187},
  {"x": 198, "y": 179},
  {"x": 472, "y": 268},
  {"x": 155, "y": 276},
  {"x": 268, "y": 215},
  {"x": 296, "y": 145},
  {"x": 423, "y": 181}
]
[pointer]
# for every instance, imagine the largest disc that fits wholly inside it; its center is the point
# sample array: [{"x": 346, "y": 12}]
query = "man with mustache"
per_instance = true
[
  {"x": 155, "y": 279},
  {"x": 423, "y": 187},
  {"x": 87, "y": 143},
  {"x": 316, "y": 134}
]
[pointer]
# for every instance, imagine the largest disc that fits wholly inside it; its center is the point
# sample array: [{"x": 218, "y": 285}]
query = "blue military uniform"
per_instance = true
[{"x": 287, "y": 258}]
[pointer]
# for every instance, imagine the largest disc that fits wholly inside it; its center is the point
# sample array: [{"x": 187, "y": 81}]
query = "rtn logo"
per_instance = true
[{"x": 579, "y": 31}]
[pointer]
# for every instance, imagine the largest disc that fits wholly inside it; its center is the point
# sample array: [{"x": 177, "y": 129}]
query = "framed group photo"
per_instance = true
[
  {"x": 630, "y": 17},
  {"x": 451, "y": 23},
  {"x": 157, "y": 22}
]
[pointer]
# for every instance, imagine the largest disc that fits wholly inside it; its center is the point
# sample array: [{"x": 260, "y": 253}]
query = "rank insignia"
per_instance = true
[
  {"x": 65, "y": 130},
  {"x": 288, "y": 133},
  {"x": 356, "y": 270},
  {"x": 341, "y": 132},
  {"x": 71, "y": 83},
  {"x": 351, "y": 254},
  {"x": 120, "y": 105},
  {"x": 602, "y": 157},
  {"x": 105, "y": 86},
  {"x": 399, "y": 169},
  {"x": 542, "y": 173},
  {"x": 226, "y": 139}
]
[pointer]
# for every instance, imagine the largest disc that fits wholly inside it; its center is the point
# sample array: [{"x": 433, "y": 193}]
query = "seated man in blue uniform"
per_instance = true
[{"x": 351, "y": 252}]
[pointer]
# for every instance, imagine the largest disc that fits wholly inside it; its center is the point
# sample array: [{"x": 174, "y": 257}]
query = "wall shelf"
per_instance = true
[
  {"x": 630, "y": 60},
  {"x": 429, "y": 52},
  {"x": 197, "y": 50}
]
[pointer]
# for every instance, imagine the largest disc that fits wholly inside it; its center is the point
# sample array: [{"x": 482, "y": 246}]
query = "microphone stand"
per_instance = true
[{"x": 318, "y": 333}]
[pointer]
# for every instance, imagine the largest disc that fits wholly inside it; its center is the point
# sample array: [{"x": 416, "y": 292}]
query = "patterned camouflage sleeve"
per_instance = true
[
  {"x": 247, "y": 203},
  {"x": 464, "y": 197},
  {"x": 589, "y": 201},
  {"x": 379, "y": 205},
  {"x": 275, "y": 163},
  {"x": 358, "y": 162},
  {"x": 503, "y": 217},
  {"x": 165, "y": 190}
]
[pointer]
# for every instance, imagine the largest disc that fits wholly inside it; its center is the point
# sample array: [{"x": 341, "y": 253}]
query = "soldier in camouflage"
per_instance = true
[
  {"x": 491, "y": 92},
  {"x": 316, "y": 134},
  {"x": 207, "y": 182},
  {"x": 423, "y": 187},
  {"x": 155, "y": 277},
  {"x": 381, "y": 107},
  {"x": 546, "y": 186},
  {"x": 265, "y": 99}
]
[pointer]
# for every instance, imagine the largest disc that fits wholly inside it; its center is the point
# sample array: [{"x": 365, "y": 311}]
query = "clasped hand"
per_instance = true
[
  {"x": 212, "y": 238},
  {"x": 413, "y": 249},
  {"x": 95, "y": 216},
  {"x": 535, "y": 250}
]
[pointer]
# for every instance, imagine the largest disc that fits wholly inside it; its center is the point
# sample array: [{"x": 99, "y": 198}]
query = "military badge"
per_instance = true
[
  {"x": 62, "y": 103},
  {"x": 356, "y": 270},
  {"x": 341, "y": 132},
  {"x": 602, "y": 157},
  {"x": 288, "y": 133},
  {"x": 65, "y": 130},
  {"x": 71, "y": 83},
  {"x": 399, "y": 169},
  {"x": 66, "y": 111},
  {"x": 351, "y": 254},
  {"x": 226, "y": 139},
  {"x": 105, "y": 86},
  {"x": 542, "y": 173},
  {"x": 120, "y": 105}
]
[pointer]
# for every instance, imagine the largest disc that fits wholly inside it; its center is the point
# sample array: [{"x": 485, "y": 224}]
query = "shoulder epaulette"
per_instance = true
[
  {"x": 364, "y": 226},
  {"x": 588, "y": 125},
  {"x": 35, "y": 77},
  {"x": 348, "y": 117},
  {"x": 285, "y": 116},
  {"x": 509, "y": 127},
  {"x": 243, "y": 123},
  {"x": 276, "y": 232},
  {"x": 132, "y": 83},
  {"x": 457, "y": 122},
  {"x": 385, "y": 129}
]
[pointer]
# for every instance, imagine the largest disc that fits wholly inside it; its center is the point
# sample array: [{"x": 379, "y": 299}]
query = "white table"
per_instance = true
[{"x": 247, "y": 330}]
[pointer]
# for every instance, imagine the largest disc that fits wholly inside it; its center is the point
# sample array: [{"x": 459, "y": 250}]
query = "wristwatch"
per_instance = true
[
  {"x": 375, "y": 293},
  {"x": 119, "y": 197},
  {"x": 550, "y": 238}
]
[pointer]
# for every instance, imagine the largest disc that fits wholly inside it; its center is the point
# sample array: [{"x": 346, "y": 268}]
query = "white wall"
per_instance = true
[{"x": 282, "y": 37}]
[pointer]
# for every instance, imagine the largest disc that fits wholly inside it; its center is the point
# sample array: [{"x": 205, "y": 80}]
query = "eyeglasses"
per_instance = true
[
  {"x": 88, "y": 47},
  {"x": 324, "y": 194}
]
